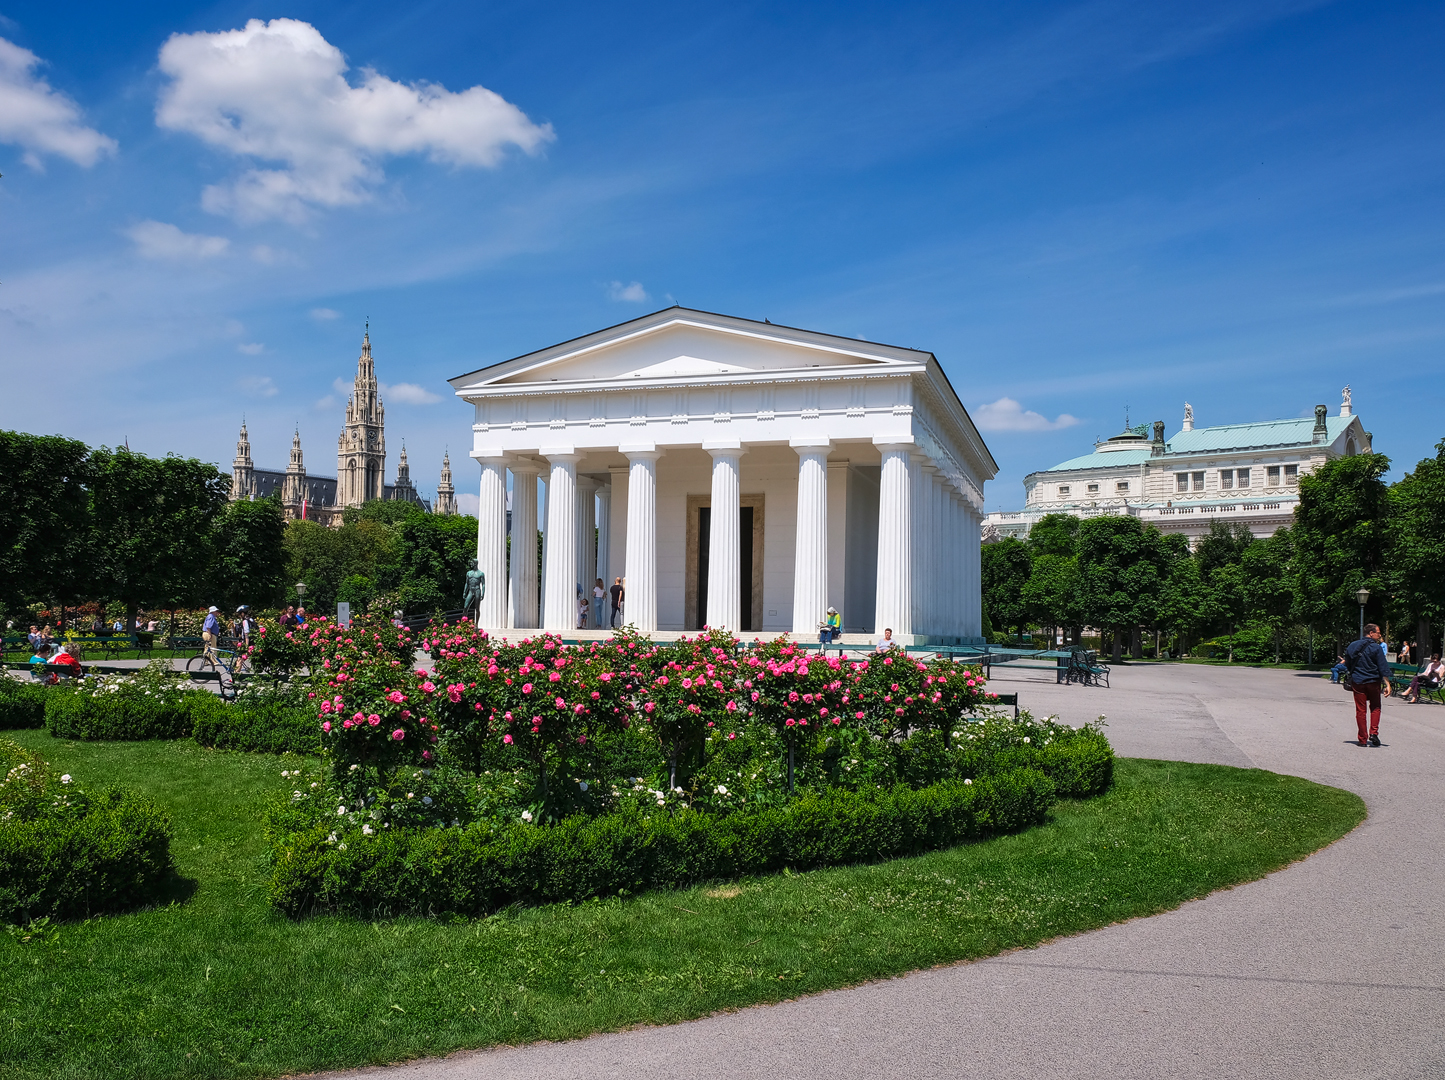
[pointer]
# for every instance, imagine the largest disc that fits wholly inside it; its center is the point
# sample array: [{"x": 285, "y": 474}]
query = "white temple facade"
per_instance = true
[
  {"x": 736, "y": 474},
  {"x": 1244, "y": 473}
]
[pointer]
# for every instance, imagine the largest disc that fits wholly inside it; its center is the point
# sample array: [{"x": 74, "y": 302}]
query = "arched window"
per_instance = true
[{"x": 1350, "y": 449}]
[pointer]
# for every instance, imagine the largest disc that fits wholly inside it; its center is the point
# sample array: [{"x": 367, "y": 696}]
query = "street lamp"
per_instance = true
[
  {"x": 1363, "y": 596},
  {"x": 301, "y": 592}
]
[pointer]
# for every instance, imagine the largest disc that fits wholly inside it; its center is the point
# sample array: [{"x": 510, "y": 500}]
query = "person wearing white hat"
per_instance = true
[
  {"x": 211, "y": 630},
  {"x": 831, "y": 627}
]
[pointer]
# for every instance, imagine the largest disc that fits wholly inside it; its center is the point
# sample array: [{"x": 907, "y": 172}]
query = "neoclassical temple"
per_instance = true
[
  {"x": 360, "y": 462},
  {"x": 737, "y": 474}
]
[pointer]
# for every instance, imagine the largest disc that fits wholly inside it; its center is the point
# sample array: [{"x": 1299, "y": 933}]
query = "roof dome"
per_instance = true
[{"x": 1128, "y": 439}]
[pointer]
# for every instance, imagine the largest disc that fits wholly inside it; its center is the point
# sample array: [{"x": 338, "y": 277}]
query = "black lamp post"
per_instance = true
[{"x": 1363, "y": 596}]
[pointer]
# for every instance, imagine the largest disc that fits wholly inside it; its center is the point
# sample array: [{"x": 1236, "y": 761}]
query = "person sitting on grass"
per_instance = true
[{"x": 1428, "y": 679}]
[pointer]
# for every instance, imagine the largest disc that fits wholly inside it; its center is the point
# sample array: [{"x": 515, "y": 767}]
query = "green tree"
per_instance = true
[
  {"x": 1339, "y": 540},
  {"x": 250, "y": 557},
  {"x": 1269, "y": 575},
  {"x": 1055, "y": 534},
  {"x": 1004, "y": 572},
  {"x": 1124, "y": 566},
  {"x": 44, "y": 518},
  {"x": 1416, "y": 541},
  {"x": 153, "y": 520},
  {"x": 1051, "y": 594},
  {"x": 434, "y": 552}
]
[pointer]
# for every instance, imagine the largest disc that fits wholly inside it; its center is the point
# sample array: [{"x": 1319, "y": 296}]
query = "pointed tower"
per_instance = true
[
  {"x": 361, "y": 449},
  {"x": 404, "y": 490},
  {"x": 243, "y": 473},
  {"x": 293, "y": 487},
  {"x": 446, "y": 494}
]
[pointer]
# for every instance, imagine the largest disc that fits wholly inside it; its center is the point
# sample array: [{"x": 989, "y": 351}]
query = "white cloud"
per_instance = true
[
  {"x": 1006, "y": 414},
  {"x": 41, "y": 119},
  {"x": 634, "y": 293},
  {"x": 342, "y": 387},
  {"x": 260, "y": 385},
  {"x": 468, "y": 504},
  {"x": 324, "y": 314},
  {"x": 277, "y": 92},
  {"x": 159, "y": 240},
  {"x": 408, "y": 394},
  {"x": 252, "y": 348}
]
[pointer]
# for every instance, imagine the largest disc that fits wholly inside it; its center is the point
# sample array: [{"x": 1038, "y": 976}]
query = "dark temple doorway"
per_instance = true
[{"x": 745, "y": 563}]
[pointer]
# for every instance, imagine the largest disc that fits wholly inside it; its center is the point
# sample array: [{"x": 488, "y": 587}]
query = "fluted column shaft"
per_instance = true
[
  {"x": 586, "y": 535},
  {"x": 810, "y": 551},
  {"x": 524, "y": 545},
  {"x": 956, "y": 591},
  {"x": 604, "y": 532},
  {"x": 492, "y": 542},
  {"x": 927, "y": 588},
  {"x": 971, "y": 529},
  {"x": 724, "y": 559},
  {"x": 559, "y": 604},
  {"x": 893, "y": 604},
  {"x": 641, "y": 600}
]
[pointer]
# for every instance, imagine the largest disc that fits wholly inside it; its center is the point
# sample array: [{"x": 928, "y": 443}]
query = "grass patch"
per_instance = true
[{"x": 221, "y": 986}]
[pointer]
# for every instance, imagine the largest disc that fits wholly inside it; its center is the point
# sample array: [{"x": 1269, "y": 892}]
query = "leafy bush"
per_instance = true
[
  {"x": 257, "y": 725},
  {"x": 480, "y": 869},
  {"x": 117, "y": 709},
  {"x": 22, "y": 704},
  {"x": 67, "y": 854}
]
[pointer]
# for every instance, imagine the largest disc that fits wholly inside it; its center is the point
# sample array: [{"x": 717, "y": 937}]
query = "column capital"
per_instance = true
[
  {"x": 724, "y": 447},
  {"x": 640, "y": 451},
  {"x": 488, "y": 453},
  {"x": 561, "y": 455},
  {"x": 813, "y": 443},
  {"x": 895, "y": 442},
  {"x": 523, "y": 466}
]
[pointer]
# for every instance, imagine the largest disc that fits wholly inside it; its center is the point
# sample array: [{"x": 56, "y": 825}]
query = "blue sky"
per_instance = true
[{"x": 1077, "y": 207}]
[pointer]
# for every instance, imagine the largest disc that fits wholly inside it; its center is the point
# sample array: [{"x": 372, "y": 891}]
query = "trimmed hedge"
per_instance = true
[
  {"x": 65, "y": 854},
  {"x": 259, "y": 727},
  {"x": 22, "y": 704},
  {"x": 474, "y": 871},
  {"x": 120, "y": 715}
]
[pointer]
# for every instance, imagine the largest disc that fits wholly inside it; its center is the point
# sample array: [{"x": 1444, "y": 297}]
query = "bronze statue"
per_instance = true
[{"x": 475, "y": 591}]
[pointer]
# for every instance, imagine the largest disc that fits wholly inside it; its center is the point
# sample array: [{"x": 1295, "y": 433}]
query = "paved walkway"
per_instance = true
[{"x": 1333, "y": 967}]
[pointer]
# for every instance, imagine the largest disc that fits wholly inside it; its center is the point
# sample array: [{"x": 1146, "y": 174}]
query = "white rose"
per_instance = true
[
  {"x": 65, "y": 779},
  {"x": 526, "y": 815}
]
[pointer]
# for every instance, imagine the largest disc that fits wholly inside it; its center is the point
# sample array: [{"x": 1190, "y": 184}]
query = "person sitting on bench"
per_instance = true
[
  {"x": 1429, "y": 679},
  {"x": 63, "y": 657}
]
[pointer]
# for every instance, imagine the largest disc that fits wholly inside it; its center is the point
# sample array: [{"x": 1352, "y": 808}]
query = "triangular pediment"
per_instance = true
[{"x": 685, "y": 345}]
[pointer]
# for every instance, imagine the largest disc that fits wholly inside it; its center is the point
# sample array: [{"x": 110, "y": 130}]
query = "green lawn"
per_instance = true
[{"x": 220, "y": 986}]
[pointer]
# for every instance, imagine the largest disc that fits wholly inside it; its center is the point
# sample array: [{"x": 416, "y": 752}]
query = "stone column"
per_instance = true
[
  {"x": 918, "y": 572},
  {"x": 524, "y": 544},
  {"x": 640, "y": 603},
  {"x": 927, "y": 585},
  {"x": 559, "y": 603},
  {"x": 956, "y": 591},
  {"x": 894, "y": 604},
  {"x": 724, "y": 566},
  {"x": 810, "y": 551},
  {"x": 973, "y": 605},
  {"x": 604, "y": 540},
  {"x": 838, "y": 568},
  {"x": 617, "y": 546},
  {"x": 492, "y": 539},
  {"x": 586, "y": 537}
]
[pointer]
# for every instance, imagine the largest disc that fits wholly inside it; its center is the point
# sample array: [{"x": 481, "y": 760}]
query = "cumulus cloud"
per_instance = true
[
  {"x": 1006, "y": 414},
  {"x": 468, "y": 504},
  {"x": 160, "y": 240},
  {"x": 39, "y": 118},
  {"x": 324, "y": 314},
  {"x": 408, "y": 394},
  {"x": 633, "y": 293},
  {"x": 277, "y": 92},
  {"x": 252, "y": 348}
]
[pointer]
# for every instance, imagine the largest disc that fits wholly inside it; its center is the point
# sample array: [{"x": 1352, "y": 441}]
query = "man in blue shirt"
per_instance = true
[
  {"x": 1369, "y": 678},
  {"x": 211, "y": 629}
]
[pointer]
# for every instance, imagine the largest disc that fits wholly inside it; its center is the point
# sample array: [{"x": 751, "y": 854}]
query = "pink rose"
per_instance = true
[
  {"x": 373, "y": 719},
  {"x": 507, "y": 739},
  {"x": 326, "y": 726},
  {"x": 526, "y": 688},
  {"x": 398, "y": 735}
]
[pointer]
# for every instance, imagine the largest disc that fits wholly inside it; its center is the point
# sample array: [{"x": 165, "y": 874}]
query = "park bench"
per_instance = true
[
  {"x": 1402, "y": 674},
  {"x": 104, "y": 643},
  {"x": 51, "y": 673},
  {"x": 1083, "y": 668}
]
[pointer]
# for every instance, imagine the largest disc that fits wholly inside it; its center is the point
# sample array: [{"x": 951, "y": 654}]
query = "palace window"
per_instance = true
[
  {"x": 1241, "y": 478},
  {"x": 1122, "y": 486},
  {"x": 1199, "y": 481},
  {"x": 1181, "y": 482},
  {"x": 1226, "y": 479},
  {"x": 1291, "y": 474},
  {"x": 1271, "y": 476},
  {"x": 1093, "y": 489},
  {"x": 1063, "y": 491}
]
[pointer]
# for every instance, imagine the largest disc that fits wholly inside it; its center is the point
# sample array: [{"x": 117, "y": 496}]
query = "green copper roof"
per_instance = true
[{"x": 1262, "y": 435}]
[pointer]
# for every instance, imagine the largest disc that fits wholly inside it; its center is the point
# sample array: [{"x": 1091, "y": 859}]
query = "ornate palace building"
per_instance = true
[
  {"x": 360, "y": 463},
  {"x": 1245, "y": 473}
]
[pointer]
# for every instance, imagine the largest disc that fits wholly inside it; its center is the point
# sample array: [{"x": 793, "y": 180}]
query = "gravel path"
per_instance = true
[{"x": 1333, "y": 967}]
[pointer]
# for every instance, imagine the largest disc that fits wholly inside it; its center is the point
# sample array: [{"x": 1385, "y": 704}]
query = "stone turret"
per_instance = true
[
  {"x": 446, "y": 494},
  {"x": 293, "y": 488},
  {"x": 361, "y": 447},
  {"x": 243, "y": 472},
  {"x": 404, "y": 490}
]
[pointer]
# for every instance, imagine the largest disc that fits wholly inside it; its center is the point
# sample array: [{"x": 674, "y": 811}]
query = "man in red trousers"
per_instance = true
[{"x": 1369, "y": 676}]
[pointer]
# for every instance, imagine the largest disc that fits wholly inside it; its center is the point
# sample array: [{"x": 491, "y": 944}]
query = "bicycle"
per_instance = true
[{"x": 212, "y": 663}]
